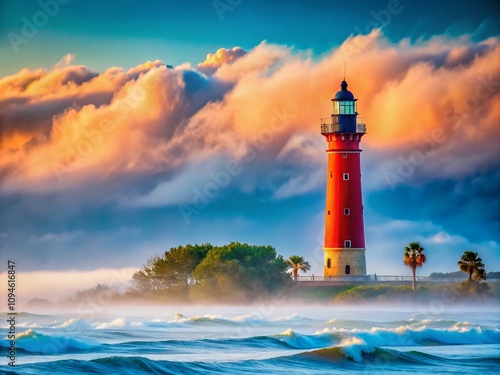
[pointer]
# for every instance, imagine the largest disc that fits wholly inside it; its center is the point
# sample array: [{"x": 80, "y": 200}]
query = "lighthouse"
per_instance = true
[{"x": 344, "y": 248}]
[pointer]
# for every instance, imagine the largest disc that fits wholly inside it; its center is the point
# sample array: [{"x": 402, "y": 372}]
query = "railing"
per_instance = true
[
  {"x": 328, "y": 126},
  {"x": 360, "y": 128},
  {"x": 333, "y": 278},
  {"x": 385, "y": 278}
]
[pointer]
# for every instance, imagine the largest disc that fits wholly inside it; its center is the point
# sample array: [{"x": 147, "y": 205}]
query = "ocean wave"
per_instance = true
[
  {"x": 74, "y": 324},
  {"x": 115, "y": 323},
  {"x": 352, "y": 356},
  {"x": 107, "y": 365},
  {"x": 158, "y": 323},
  {"x": 181, "y": 319},
  {"x": 354, "y": 348},
  {"x": 22, "y": 325},
  {"x": 358, "y": 351},
  {"x": 178, "y": 321},
  {"x": 34, "y": 342},
  {"x": 288, "y": 339},
  {"x": 127, "y": 366},
  {"x": 408, "y": 336},
  {"x": 351, "y": 342},
  {"x": 71, "y": 324},
  {"x": 290, "y": 318},
  {"x": 208, "y": 319},
  {"x": 247, "y": 318},
  {"x": 296, "y": 340},
  {"x": 411, "y": 323}
]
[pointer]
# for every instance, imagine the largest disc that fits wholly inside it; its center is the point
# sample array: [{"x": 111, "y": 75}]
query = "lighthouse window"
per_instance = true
[
  {"x": 346, "y": 176},
  {"x": 329, "y": 263},
  {"x": 331, "y": 174},
  {"x": 347, "y": 243},
  {"x": 347, "y": 211},
  {"x": 344, "y": 155},
  {"x": 345, "y": 108},
  {"x": 347, "y": 269},
  {"x": 328, "y": 212}
]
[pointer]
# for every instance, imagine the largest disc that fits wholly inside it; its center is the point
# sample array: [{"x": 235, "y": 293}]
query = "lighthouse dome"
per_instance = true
[{"x": 344, "y": 94}]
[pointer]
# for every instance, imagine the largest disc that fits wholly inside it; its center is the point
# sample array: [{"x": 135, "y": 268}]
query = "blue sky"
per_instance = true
[
  {"x": 122, "y": 204},
  {"x": 126, "y": 33}
]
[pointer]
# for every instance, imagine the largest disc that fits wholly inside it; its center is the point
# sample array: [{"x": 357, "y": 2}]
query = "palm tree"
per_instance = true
[
  {"x": 471, "y": 264},
  {"x": 481, "y": 275},
  {"x": 414, "y": 257},
  {"x": 296, "y": 263}
]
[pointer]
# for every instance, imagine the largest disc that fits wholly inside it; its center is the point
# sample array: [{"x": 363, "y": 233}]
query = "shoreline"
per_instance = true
[{"x": 449, "y": 294}]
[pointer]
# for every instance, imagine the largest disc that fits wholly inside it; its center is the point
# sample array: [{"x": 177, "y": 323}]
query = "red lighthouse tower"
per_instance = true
[{"x": 344, "y": 248}]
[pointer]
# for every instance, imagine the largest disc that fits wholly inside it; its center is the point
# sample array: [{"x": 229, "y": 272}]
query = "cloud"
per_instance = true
[
  {"x": 92, "y": 138},
  {"x": 56, "y": 237},
  {"x": 174, "y": 191},
  {"x": 67, "y": 125},
  {"x": 148, "y": 137},
  {"x": 217, "y": 59},
  {"x": 443, "y": 237},
  {"x": 66, "y": 60}
]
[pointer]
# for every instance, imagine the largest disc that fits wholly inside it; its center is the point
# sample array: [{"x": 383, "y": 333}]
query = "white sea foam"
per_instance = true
[
  {"x": 247, "y": 318},
  {"x": 288, "y": 318},
  {"x": 74, "y": 324},
  {"x": 115, "y": 323},
  {"x": 354, "y": 347},
  {"x": 406, "y": 336}
]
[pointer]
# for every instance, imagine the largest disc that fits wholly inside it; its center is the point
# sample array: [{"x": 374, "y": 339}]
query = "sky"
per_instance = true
[{"x": 131, "y": 127}]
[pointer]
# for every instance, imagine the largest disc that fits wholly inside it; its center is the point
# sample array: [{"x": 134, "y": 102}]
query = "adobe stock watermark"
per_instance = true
[
  {"x": 380, "y": 18},
  {"x": 486, "y": 88},
  {"x": 94, "y": 138},
  {"x": 97, "y": 304},
  {"x": 223, "y": 6},
  {"x": 407, "y": 165},
  {"x": 222, "y": 178},
  {"x": 30, "y": 26},
  {"x": 88, "y": 310}
]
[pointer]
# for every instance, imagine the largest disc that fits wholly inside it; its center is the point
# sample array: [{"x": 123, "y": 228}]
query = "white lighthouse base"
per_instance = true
[{"x": 344, "y": 261}]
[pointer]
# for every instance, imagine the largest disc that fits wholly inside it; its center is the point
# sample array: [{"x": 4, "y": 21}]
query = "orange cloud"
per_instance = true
[
  {"x": 219, "y": 58},
  {"x": 152, "y": 119}
]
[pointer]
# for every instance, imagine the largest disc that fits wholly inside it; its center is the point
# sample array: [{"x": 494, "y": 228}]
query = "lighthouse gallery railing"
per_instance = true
[{"x": 329, "y": 126}]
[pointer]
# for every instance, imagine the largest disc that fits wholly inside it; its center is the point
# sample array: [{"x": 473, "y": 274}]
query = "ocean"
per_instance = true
[{"x": 257, "y": 339}]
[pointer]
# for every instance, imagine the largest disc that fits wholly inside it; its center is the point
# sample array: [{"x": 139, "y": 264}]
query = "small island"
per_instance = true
[{"x": 239, "y": 273}]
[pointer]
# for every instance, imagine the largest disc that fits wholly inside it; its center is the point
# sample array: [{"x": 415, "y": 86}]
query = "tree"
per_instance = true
[
  {"x": 233, "y": 272},
  {"x": 414, "y": 257},
  {"x": 145, "y": 280},
  {"x": 175, "y": 268},
  {"x": 237, "y": 272},
  {"x": 98, "y": 295},
  {"x": 471, "y": 264},
  {"x": 171, "y": 272},
  {"x": 296, "y": 263},
  {"x": 481, "y": 275}
]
